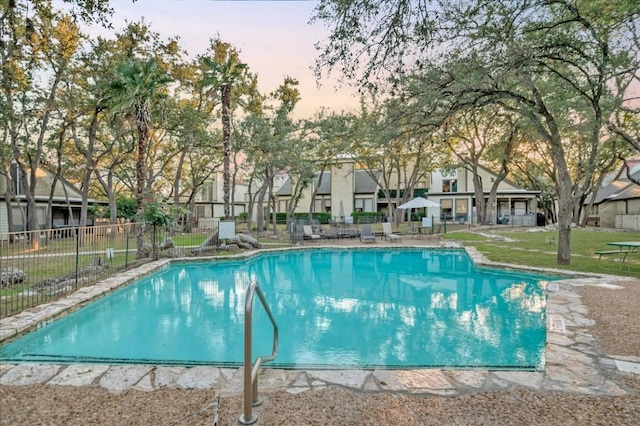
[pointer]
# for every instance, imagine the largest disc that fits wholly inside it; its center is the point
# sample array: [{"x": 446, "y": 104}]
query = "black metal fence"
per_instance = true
[{"x": 41, "y": 266}]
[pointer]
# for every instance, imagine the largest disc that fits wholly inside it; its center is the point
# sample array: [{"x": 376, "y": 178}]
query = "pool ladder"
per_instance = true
[{"x": 251, "y": 374}]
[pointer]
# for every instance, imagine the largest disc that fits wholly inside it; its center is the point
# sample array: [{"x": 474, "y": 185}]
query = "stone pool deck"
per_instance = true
[{"x": 573, "y": 362}]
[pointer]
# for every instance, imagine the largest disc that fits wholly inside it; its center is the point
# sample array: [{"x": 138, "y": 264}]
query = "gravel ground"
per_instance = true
[{"x": 616, "y": 312}]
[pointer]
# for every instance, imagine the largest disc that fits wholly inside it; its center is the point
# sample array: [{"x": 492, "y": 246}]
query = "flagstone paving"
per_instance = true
[{"x": 573, "y": 362}]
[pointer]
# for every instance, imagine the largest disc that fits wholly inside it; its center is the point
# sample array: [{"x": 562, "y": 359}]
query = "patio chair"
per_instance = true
[
  {"x": 308, "y": 233},
  {"x": 388, "y": 232},
  {"x": 366, "y": 235}
]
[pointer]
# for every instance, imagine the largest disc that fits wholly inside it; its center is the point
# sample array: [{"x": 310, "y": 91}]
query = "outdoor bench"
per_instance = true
[{"x": 604, "y": 252}]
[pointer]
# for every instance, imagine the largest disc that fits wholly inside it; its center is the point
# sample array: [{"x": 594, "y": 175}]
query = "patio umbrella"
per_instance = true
[{"x": 417, "y": 203}]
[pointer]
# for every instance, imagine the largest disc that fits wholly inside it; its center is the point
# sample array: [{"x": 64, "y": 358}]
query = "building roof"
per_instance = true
[
  {"x": 505, "y": 180},
  {"x": 364, "y": 184},
  {"x": 65, "y": 192},
  {"x": 619, "y": 187},
  {"x": 325, "y": 183},
  {"x": 324, "y": 189},
  {"x": 631, "y": 191}
]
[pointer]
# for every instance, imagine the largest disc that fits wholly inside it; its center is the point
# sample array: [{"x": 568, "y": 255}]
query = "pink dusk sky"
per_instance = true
[{"x": 275, "y": 39}]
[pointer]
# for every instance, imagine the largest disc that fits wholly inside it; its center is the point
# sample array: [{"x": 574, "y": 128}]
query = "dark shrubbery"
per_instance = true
[
  {"x": 323, "y": 218},
  {"x": 366, "y": 217}
]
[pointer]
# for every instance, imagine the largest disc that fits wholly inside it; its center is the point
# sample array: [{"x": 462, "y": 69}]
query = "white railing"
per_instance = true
[{"x": 251, "y": 373}]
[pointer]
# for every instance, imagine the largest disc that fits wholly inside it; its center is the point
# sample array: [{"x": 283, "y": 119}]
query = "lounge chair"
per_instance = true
[
  {"x": 388, "y": 232},
  {"x": 366, "y": 235},
  {"x": 308, "y": 233}
]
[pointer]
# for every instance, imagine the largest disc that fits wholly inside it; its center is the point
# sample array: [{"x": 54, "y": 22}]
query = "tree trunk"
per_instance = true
[
  {"x": 143, "y": 132},
  {"x": 176, "y": 188},
  {"x": 225, "y": 93},
  {"x": 260, "y": 207}
]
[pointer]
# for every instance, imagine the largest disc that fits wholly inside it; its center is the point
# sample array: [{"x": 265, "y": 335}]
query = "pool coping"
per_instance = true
[{"x": 573, "y": 362}]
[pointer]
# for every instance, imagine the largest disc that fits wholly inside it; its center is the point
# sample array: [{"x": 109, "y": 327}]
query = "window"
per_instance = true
[
  {"x": 206, "y": 192},
  {"x": 462, "y": 210},
  {"x": 446, "y": 209},
  {"x": 199, "y": 211},
  {"x": 364, "y": 205},
  {"x": 450, "y": 185}
]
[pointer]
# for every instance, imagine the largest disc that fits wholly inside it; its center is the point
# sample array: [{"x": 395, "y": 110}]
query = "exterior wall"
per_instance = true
[
  {"x": 213, "y": 190},
  {"x": 627, "y": 221},
  {"x": 63, "y": 193},
  {"x": 466, "y": 181},
  {"x": 342, "y": 188},
  {"x": 4, "y": 224},
  {"x": 610, "y": 211},
  {"x": 424, "y": 182},
  {"x": 608, "y": 218},
  {"x": 45, "y": 181},
  {"x": 214, "y": 209},
  {"x": 366, "y": 202},
  {"x": 209, "y": 201},
  {"x": 459, "y": 199},
  {"x": 241, "y": 196},
  {"x": 305, "y": 199},
  {"x": 633, "y": 206},
  {"x": 454, "y": 204},
  {"x": 437, "y": 178}
]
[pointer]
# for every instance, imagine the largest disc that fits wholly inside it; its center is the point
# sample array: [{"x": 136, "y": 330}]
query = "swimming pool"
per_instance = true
[{"x": 336, "y": 308}]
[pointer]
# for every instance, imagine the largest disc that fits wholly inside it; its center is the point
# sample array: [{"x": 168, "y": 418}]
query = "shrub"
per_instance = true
[
  {"x": 367, "y": 217},
  {"x": 323, "y": 218}
]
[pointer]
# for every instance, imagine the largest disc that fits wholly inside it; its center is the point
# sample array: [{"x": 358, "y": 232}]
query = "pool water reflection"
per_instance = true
[{"x": 336, "y": 308}]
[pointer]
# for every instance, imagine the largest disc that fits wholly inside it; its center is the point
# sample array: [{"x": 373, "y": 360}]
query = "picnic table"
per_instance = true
[{"x": 624, "y": 247}]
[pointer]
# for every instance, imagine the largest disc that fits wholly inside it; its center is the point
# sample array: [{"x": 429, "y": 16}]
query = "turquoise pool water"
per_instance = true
[{"x": 335, "y": 308}]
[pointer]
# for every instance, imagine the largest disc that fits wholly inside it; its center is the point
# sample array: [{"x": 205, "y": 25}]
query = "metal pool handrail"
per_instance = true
[{"x": 251, "y": 374}]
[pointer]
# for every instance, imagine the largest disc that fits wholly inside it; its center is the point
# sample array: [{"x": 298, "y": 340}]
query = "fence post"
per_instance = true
[
  {"x": 126, "y": 253},
  {"x": 153, "y": 243},
  {"x": 77, "y": 255}
]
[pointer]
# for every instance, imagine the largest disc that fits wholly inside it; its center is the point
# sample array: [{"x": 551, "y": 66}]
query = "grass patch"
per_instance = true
[{"x": 519, "y": 247}]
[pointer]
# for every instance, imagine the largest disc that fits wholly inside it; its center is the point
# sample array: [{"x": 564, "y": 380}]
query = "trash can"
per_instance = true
[{"x": 541, "y": 219}]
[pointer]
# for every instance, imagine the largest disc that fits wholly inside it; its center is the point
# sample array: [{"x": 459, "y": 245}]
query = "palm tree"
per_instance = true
[
  {"x": 137, "y": 85},
  {"x": 222, "y": 74}
]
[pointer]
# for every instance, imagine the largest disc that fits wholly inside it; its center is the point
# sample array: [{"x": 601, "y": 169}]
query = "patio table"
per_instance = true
[{"x": 625, "y": 247}]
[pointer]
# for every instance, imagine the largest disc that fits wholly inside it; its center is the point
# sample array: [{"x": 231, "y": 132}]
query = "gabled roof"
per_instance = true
[
  {"x": 364, "y": 184},
  {"x": 631, "y": 191},
  {"x": 324, "y": 189},
  {"x": 505, "y": 180},
  {"x": 64, "y": 190},
  {"x": 285, "y": 189},
  {"x": 619, "y": 187}
]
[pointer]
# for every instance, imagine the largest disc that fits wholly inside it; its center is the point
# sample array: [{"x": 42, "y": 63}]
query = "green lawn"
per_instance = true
[
  {"x": 57, "y": 257},
  {"x": 533, "y": 249}
]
